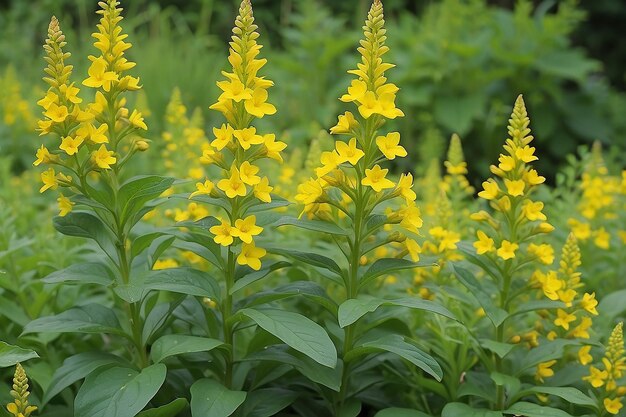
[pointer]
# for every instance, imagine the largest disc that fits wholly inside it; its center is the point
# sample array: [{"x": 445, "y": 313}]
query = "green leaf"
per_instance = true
[
  {"x": 84, "y": 224},
  {"x": 397, "y": 344},
  {"x": 78, "y": 367},
  {"x": 510, "y": 383},
  {"x": 569, "y": 394},
  {"x": 87, "y": 273},
  {"x": 400, "y": 412},
  {"x": 90, "y": 318},
  {"x": 298, "y": 332},
  {"x": 552, "y": 349},
  {"x": 174, "y": 344},
  {"x": 268, "y": 402},
  {"x": 253, "y": 276},
  {"x": 460, "y": 409},
  {"x": 533, "y": 410},
  {"x": 169, "y": 410},
  {"x": 353, "y": 309},
  {"x": 612, "y": 305},
  {"x": 184, "y": 281},
  {"x": 387, "y": 266},
  {"x": 209, "y": 398},
  {"x": 315, "y": 225},
  {"x": 10, "y": 355},
  {"x": 308, "y": 289},
  {"x": 138, "y": 191},
  {"x": 350, "y": 408},
  {"x": 535, "y": 305},
  {"x": 118, "y": 392},
  {"x": 495, "y": 314},
  {"x": 499, "y": 348},
  {"x": 456, "y": 112},
  {"x": 313, "y": 259}
]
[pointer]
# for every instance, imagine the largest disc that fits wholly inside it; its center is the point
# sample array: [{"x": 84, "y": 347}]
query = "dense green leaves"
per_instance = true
[
  {"x": 10, "y": 355},
  {"x": 87, "y": 273},
  {"x": 387, "y": 266},
  {"x": 173, "y": 344},
  {"x": 90, "y": 318}
]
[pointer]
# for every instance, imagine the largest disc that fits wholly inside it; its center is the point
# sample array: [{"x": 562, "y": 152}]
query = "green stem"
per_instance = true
[{"x": 226, "y": 314}]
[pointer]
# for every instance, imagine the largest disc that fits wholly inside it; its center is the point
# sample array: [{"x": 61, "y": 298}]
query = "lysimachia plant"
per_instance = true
[{"x": 366, "y": 211}]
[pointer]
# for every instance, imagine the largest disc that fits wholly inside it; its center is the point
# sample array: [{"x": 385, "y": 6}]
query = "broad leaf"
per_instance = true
[
  {"x": 397, "y": 344},
  {"x": 137, "y": 191},
  {"x": 184, "y": 281},
  {"x": 174, "y": 344},
  {"x": 569, "y": 394},
  {"x": 298, "y": 332},
  {"x": 118, "y": 392},
  {"x": 10, "y": 355},
  {"x": 90, "y": 318},
  {"x": 315, "y": 225},
  {"x": 209, "y": 398},
  {"x": 84, "y": 224},
  {"x": 253, "y": 276},
  {"x": 533, "y": 410},
  {"x": 267, "y": 402},
  {"x": 78, "y": 367},
  {"x": 460, "y": 409},
  {"x": 169, "y": 410},
  {"x": 353, "y": 309},
  {"x": 87, "y": 273},
  {"x": 495, "y": 314},
  {"x": 387, "y": 266},
  {"x": 499, "y": 348},
  {"x": 313, "y": 259}
]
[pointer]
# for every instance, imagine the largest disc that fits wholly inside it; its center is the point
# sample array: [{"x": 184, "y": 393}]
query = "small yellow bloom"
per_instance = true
[
  {"x": 65, "y": 205},
  {"x": 257, "y": 105},
  {"x": 613, "y": 406},
  {"x": 390, "y": 146},
  {"x": 136, "y": 120},
  {"x": 564, "y": 319},
  {"x": 544, "y": 252},
  {"x": 602, "y": 238},
  {"x": 223, "y": 234},
  {"x": 246, "y": 228},
  {"x": 103, "y": 158},
  {"x": 532, "y": 210},
  {"x": 99, "y": 76},
  {"x": 247, "y": 173},
  {"x": 262, "y": 190},
  {"x": 273, "y": 148},
  {"x": 526, "y": 154},
  {"x": 349, "y": 152},
  {"x": 596, "y": 377},
  {"x": 56, "y": 113},
  {"x": 533, "y": 178},
  {"x": 223, "y": 136},
  {"x": 507, "y": 250},
  {"x": 490, "y": 190},
  {"x": 330, "y": 160},
  {"x": 48, "y": 99},
  {"x": 584, "y": 357},
  {"x": 544, "y": 370},
  {"x": 345, "y": 125},
  {"x": 165, "y": 264},
  {"x": 484, "y": 243},
  {"x": 413, "y": 248},
  {"x": 234, "y": 90},
  {"x": 71, "y": 144},
  {"x": 356, "y": 91},
  {"x": 251, "y": 255},
  {"x": 514, "y": 187},
  {"x": 49, "y": 179},
  {"x": 375, "y": 178},
  {"x": 507, "y": 163},
  {"x": 232, "y": 186},
  {"x": 43, "y": 156},
  {"x": 405, "y": 187},
  {"x": 202, "y": 189},
  {"x": 589, "y": 303},
  {"x": 248, "y": 137}
]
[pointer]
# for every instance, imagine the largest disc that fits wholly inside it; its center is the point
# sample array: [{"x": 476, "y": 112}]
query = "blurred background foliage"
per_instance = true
[{"x": 460, "y": 63}]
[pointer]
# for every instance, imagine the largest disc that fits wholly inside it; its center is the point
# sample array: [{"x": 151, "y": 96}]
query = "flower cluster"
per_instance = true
[
  {"x": 573, "y": 320},
  {"x": 237, "y": 146},
  {"x": 20, "y": 407},
  {"x": 607, "y": 375},
  {"x": 91, "y": 136}
]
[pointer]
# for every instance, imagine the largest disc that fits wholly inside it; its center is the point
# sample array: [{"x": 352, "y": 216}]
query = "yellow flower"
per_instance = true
[
  {"x": 356, "y": 91},
  {"x": 223, "y": 234},
  {"x": 99, "y": 76},
  {"x": 484, "y": 243},
  {"x": 251, "y": 255},
  {"x": 514, "y": 187},
  {"x": 136, "y": 120},
  {"x": 544, "y": 252},
  {"x": 526, "y": 154},
  {"x": 584, "y": 357},
  {"x": 582, "y": 330},
  {"x": 65, "y": 205},
  {"x": 234, "y": 90},
  {"x": 413, "y": 248},
  {"x": 70, "y": 145},
  {"x": 247, "y": 173},
  {"x": 602, "y": 238},
  {"x": 596, "y": 377},
  {"x": 532, "y": 210},
  {"x": 56, "y": 113},
  {"x": 369, "y": 105},
  {"x": 248, "y": 137},
  {"x": 405, "y": 187},
  {"x": 551, "y": 285},
  {"x": 273, "y": 147},
  {"x": 71, "y": 93},
  {"x": 410, "y": 217},
  {"x": 257, "y": 105},
  {"x": 262, "y": 190},
  {"x": 389, "y": 145},
  {"x": 613, "y": 406},
  {"x": 349, "y": 152},
  {"x": 103, "y": 158},
  {"x": 202, "y": 189},
  {"x": 246, "y": 228},
  {"x": 49, "y": 179},
  {"x": 165, "y": 264},
  {"x": 43, "y": 156},
  {"x": 490, "y": 190},
  {"x": 589, "y": 303},
  {"x": 345, "y": 125},
  {"x": 232, "y": 186},
  {"x": 330, "y": 160},
  {"x": 375, "y": 178},
  {"x": 507, "y": 163},
  {"x": 20, "y": 407},
  {"x": 48, "y": 99},
  {"x": 98, "y": 135},
  {"x": 223, "y": 136},
  {"x": 533, "y": 178},
  {"x": 507, "y": 250},
  {"x": 564, "y": 319},
  {"x": 544, "y": 370}
]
